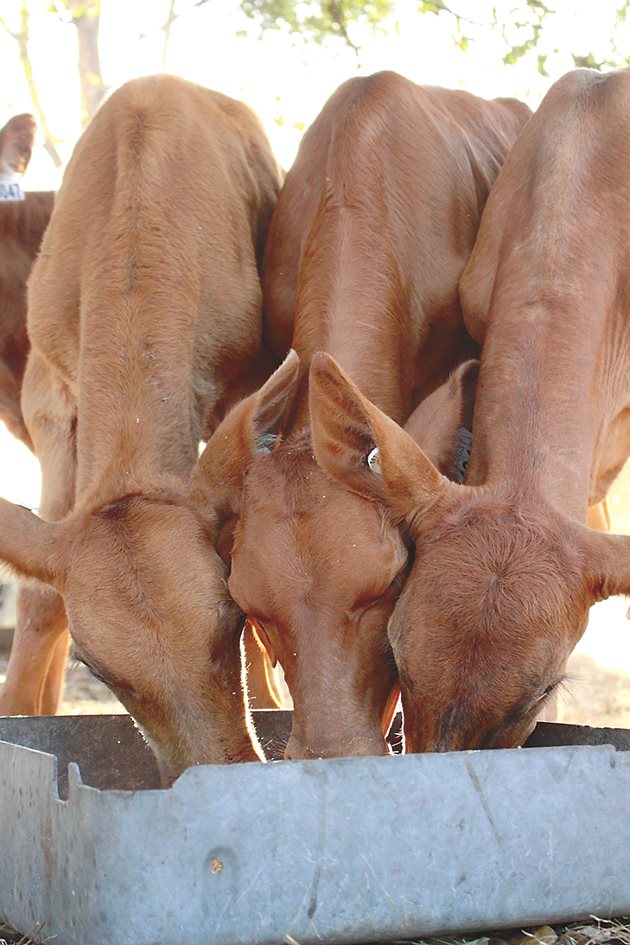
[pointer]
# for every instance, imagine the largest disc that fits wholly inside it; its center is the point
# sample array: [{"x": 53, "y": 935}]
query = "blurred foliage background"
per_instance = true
[{"x": 58, "y": 58}]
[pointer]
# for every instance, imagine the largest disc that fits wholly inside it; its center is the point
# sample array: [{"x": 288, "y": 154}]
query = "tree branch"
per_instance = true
[
  {"x": 438, "y": 6},
  {"x": 167, "y": 30},
  {"x": 21, "y": 38},
  {"x": 172, "y": 16},
  {"x": 333, "y": 9}
]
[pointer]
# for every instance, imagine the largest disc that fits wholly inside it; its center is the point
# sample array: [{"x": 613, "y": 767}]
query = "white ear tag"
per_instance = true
[
  {"x": 374, "y": 460},
  {"x": 10, "y": 188}
]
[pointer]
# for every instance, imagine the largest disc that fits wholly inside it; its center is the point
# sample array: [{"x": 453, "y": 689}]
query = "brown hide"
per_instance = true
[
  {"x": 22, "y": 226},
  {"x": 505, "y": 569},
  {"x": 144, "y": 316},
  {"x": 373, "y": 227}
]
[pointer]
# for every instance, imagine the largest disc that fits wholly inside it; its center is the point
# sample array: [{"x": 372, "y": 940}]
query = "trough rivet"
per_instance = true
[{"x": 216, "y": 867}]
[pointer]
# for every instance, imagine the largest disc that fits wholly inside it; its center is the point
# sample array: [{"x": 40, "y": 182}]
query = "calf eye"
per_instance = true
[{"x": 545, "y": 695}]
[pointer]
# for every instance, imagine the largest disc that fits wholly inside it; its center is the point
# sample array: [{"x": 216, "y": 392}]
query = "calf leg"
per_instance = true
[
  {"x": 10, "y": 405},
  {"x": 40, "y": 626},
  {"x": 36, "y": 666},
  {"x": 52, "y": 691}
]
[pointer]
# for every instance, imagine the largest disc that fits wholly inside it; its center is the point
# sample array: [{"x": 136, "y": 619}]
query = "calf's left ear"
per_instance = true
[
  {"x": 363, "y": 449},
  {"x": 252, "y": 427},
  {"x": 442, "y": 424},
  {"x": 29, "y": 545}
]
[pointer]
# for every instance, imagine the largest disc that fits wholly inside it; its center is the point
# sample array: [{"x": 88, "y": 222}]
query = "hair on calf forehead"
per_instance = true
[
  {"x": 281, "y": 479},
  {"x": 511, "y": 568}
]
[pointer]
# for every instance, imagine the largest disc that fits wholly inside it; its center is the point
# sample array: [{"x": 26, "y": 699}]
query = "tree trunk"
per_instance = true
[{"x": 86, "y": 17}]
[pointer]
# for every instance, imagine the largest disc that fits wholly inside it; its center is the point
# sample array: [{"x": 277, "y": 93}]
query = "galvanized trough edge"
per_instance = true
[{"x": 345, "y": 851}]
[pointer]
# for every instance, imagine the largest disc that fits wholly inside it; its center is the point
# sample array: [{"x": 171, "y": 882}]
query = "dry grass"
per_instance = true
[
  {"x": 9, "y": 936},
  {"x": 594, "y": 932}
]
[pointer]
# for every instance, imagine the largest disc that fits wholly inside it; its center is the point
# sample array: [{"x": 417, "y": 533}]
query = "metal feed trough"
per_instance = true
[{"x": 348, "y": 850}]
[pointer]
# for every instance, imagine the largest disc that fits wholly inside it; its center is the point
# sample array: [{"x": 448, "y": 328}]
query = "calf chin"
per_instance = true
[
  {"x": 444, "y": 734},
  {"x": 353, "y": 746},
  {"x": 174, "y": 756}
]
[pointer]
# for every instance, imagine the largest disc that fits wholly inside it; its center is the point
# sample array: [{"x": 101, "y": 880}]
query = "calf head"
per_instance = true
[
  {"x": 16, "y": 145},
  {"x": 145, "y": 591},
  {"x": 498, "y": 593},
  {"x": 319, "y": 569}
]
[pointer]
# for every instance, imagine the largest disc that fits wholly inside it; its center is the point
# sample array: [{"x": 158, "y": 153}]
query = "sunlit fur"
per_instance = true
[{"x": 145, "y": 315}]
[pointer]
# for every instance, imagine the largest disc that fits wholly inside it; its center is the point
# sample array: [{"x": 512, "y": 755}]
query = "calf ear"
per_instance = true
[
  {"x": 607, "y": 562},
  {"x": 252, "y": 427},
  {"x": 28, "y": 545},
  {"x": 442, "y": 424},
  {"x": 16, "y": 142},
  {"x": 367, "y": 452}
]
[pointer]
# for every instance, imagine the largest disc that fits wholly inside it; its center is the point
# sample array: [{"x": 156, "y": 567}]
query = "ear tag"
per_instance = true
[
  {"x": 266, "y": 443},
  {"x": 10, "y": 188},
  {"x": 462, "y": 454},
  {"x": 374, "y": 460}
]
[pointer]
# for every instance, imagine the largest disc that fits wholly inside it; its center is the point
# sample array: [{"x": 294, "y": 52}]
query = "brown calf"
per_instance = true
[
  {"x": 22, "y": 226},
  {"x": 505, "y": 569},
  {"x": 144, "y": 315},
  {"x": 23, "y": 219},
  {"x": 372, "y": 230}
]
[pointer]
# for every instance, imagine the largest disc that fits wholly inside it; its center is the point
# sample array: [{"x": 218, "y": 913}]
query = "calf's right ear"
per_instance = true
[
  {"x": 607, "y": 562},
  {"x": 363, "y": 449},
  {"x": 442, "y": 423},
  {"x": 252, "y": 427},
  {"x": 29, "y": 545}
]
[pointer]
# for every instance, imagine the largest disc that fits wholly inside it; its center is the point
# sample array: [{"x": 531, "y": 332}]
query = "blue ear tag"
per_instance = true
[
  {"x": 374, "y": 460},
  {"x": 462, "y": 454},
  {"x": 266, "y": 443}
]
